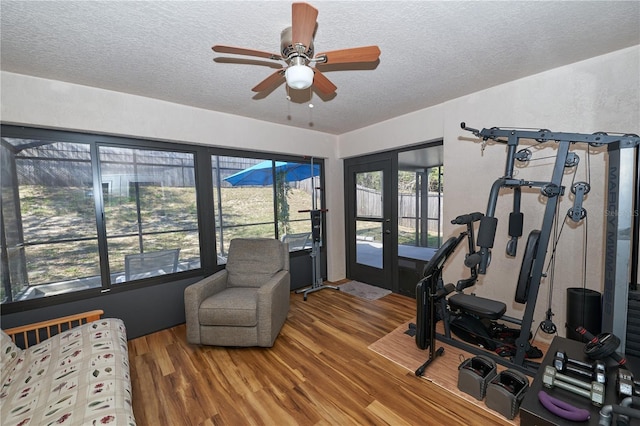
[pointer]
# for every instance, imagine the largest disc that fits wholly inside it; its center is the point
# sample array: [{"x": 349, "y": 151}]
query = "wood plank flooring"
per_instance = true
[{"x": 319, "y": 372}]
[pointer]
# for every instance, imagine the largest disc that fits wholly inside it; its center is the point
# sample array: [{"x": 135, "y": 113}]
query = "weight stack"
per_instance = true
[
  {"x": 584, "y": 308},
  {"x": 632, "y": 345}
]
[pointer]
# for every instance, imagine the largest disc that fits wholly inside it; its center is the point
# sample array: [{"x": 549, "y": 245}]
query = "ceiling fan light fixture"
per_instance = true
[{"x": 299, "y": 77}]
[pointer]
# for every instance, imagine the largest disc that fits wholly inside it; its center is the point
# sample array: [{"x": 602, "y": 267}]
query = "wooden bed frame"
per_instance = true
[{"x": 31, "y": 334}]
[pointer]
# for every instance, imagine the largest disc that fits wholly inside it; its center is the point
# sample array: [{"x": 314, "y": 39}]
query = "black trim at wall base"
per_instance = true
[{"x": 144, "y": 310}]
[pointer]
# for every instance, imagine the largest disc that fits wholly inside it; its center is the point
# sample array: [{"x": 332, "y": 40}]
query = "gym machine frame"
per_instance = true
[
  {"x": 621, "y": 250},
  {"x": 621, "y": 150},
  {"x": 316, "y": 226}
]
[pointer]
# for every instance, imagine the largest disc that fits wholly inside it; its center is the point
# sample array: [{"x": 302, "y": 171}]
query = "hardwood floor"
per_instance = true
[{"x": 319, "y": 372}]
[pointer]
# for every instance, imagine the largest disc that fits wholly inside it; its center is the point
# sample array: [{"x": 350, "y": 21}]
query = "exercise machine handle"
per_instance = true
[
  {"x": 472, "y": 260},
  {"x": 466, "y": 219}
]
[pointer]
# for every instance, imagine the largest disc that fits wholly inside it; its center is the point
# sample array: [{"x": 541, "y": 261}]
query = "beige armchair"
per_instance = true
[{"x": 245, "y": 304}]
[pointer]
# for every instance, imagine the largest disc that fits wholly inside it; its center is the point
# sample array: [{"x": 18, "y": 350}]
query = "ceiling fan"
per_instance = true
[{"x": 296, "y": 45}]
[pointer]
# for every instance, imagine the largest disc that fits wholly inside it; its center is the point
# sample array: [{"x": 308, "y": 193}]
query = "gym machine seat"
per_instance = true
[
  {"x": 478, "y": 306},
  {"x": 493, "y": 309}
]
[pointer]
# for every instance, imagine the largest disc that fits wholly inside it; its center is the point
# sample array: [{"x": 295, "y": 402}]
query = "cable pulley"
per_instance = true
[
  {"x": 543, "y": 135},
  {"x": 548, "y": 327},
  {"x": 577, "y": 214},
  {"x": 583, "y": 187},
  {"x": 551, "y": 190},
  {"x": 523, "y": 155},
  {"x": 572, "y": 160},
  {"x": 597, "y": 143}
]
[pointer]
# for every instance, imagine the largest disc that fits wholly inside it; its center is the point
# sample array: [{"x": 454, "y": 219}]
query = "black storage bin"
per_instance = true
[{"x": 584, "y": 308}]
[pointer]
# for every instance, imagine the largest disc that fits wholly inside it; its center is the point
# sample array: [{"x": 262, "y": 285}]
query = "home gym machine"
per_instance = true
[
  {"x": 431, "y": 292},
  {"x": 316, "y": 226}
]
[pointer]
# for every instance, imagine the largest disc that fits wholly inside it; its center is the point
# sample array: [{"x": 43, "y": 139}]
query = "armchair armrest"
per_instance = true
[
  {"x": 273, "y": 306},
  {"x": 193, "y": 297}
]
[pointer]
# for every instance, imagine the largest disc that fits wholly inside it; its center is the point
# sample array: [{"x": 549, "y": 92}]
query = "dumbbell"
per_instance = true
[
  {"x": 596, "y": 371},
  {"x": 593, "y": 391},
  {"x": 625, "y": 385}
]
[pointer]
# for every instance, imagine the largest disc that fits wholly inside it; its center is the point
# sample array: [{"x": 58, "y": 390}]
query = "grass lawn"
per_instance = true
[{"x": 59, "y": 225}]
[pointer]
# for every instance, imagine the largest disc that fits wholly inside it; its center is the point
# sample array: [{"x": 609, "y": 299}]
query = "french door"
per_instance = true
[{"x": 370, "y": 225}]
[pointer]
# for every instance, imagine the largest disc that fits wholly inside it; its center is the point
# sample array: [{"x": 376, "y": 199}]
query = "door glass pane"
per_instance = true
[
  {"x": 419, "y": 202},
  {"x": 49, "y": 220},
  {"x": 369, "y": 243},
  {"x": 434, "y": 205},
  {"x": 369, "y": 197},
  {"x": 409, "y": 207},
  {"x": 150, "y": 212}
]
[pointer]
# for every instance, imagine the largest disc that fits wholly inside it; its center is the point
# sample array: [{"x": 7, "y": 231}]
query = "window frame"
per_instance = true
[
  {"x": 204, "y": 206},
  {"x": 275, "y": 222}
]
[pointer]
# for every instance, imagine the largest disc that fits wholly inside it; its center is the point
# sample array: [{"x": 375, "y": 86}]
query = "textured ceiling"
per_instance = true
[{"x": 432, "y": 51}]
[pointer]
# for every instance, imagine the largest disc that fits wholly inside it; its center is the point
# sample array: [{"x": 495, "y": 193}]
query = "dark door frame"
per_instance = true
[
  {"x": 395, "y": 274},
  {"x": 388, "y": 276}
]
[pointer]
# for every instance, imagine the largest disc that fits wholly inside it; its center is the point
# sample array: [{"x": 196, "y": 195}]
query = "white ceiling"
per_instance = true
[{"x": 432, "y": 51}]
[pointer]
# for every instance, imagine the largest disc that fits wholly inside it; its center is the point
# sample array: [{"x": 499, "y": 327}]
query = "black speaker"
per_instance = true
[{"x": 584, "y": 308}]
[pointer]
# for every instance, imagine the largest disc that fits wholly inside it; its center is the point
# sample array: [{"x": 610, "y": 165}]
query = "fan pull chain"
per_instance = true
[
  {"x": 288, "y": 98},
  {"x": 311, "y": 106}
]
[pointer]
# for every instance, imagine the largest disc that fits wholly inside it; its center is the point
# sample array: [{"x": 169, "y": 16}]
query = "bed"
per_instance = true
[{"x": 72, "y": 371}]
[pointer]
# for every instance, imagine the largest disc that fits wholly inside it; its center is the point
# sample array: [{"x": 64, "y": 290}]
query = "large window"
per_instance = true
[
  {"x": 82, "y": 214},
  {"x": 51, "y": 230},
  {"x": 49, "y": 220},
  {"x": 150, "y": 212},
  {"x": 262, "y": 198}
]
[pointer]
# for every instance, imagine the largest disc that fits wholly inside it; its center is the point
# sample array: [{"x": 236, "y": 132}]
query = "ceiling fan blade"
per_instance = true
[
  {"x": 322, "y": 83},
  {"x": 247, "y": 52},
  {"x": 356, "y": 54},
  {"x": 246, "y": 61},
  {"x": 303, "y": 23},
  {"x": 270, "y": 81}
]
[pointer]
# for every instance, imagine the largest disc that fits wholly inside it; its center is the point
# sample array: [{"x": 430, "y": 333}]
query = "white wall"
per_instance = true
[
  {"x": 38, "y": 102},
  {"x": 599, "y": 94},
  {"x": 58, "y": 105}
]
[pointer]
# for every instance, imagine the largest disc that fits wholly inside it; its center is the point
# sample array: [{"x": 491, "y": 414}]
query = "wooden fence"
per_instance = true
[{"x": 369, "y": 204}]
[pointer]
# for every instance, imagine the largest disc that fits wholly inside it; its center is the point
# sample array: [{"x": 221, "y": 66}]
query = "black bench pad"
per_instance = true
[{"x": 479, "y": 306}]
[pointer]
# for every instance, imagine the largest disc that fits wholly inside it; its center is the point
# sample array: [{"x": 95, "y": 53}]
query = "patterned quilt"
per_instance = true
[{"x": 78, "y": 377}]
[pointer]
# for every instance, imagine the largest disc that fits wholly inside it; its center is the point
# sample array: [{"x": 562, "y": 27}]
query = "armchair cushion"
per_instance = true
[
  {"x": 234, "y": 306},
  {"x": 253, "y": 261}
]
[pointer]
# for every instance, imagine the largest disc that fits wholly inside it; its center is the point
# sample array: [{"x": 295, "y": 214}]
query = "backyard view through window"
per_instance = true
[
  {"x": 49, "y": 218},
  {"x": 246, "y": 195},
  {"x": 50, "y": 226},
  {"x": 85, "y": 214},
  {"x": 420, "y": 207},
  {"x": 369, "y": 233},
  {"x": 420, "y": 193},
  {"x": 150, "y": 212}
]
